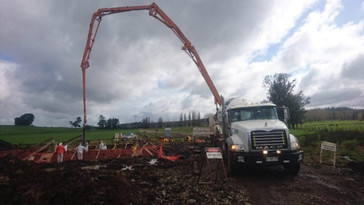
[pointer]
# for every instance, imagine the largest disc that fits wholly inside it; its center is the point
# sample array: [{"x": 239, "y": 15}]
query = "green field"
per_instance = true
[
  {"x": 30, "y": 135},
  {"x": 348, "y": 136}
]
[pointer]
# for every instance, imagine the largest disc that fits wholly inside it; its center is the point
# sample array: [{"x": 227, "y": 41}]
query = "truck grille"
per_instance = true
[{"x": 274, "y": 139}]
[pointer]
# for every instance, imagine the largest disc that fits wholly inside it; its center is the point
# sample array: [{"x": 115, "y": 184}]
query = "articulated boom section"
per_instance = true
[{"x": 156, "y": 12}]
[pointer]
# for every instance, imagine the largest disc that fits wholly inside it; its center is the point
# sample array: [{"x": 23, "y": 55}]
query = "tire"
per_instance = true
[
  {"x": 213, "y": 140},
  {"x": 224, "y": 152},
  {"x": 231, "y": 164},
  {"x": 292, "y": 169}
]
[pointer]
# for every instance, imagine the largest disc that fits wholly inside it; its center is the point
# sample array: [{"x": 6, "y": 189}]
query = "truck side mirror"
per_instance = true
[
  {"x": 286, "y": 113},
  {"x": 283, "y": 114}
]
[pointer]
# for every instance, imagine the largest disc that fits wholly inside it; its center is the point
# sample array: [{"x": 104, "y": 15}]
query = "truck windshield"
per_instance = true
[{"x": 253, "y": 113}]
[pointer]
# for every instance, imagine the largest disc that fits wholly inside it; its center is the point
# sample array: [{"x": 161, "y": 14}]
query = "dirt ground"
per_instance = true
[{"x": 148, "y": 180}]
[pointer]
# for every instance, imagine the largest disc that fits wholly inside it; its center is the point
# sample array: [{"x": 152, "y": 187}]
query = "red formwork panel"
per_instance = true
[{"x": 90, "y": 155}]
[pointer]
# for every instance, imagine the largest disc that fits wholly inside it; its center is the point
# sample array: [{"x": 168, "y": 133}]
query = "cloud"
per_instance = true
[
  {"x": 347, "y": 97},
  {"x": 318, "y": 51},
  {"x": 137, "y": 67},
  {"x": 10, "y": 98},
  {"x": 354, "y": 70}
]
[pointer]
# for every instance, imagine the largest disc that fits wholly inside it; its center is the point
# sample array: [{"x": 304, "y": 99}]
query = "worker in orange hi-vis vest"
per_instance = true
[{"x": 60, "y": 150}]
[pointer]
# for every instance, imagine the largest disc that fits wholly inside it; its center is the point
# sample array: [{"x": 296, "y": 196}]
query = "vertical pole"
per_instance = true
[
  {"x": 83, "y": 135},
  {"x": 84, "y": 105},
  {"x": 321, "y": 154}
]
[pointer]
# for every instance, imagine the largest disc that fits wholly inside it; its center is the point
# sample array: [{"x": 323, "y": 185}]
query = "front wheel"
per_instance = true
[
  {"x": 292, "y": 169},
  {"x": 231, "y": 164}
]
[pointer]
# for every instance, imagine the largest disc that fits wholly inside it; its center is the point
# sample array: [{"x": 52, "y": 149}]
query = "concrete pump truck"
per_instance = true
[{"x": 249, "y": 133}]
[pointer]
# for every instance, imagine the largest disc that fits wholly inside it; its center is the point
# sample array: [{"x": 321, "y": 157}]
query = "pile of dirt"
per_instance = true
[
  {"x": 6, "y": 145},
  {"x": 29, "y": 183}
]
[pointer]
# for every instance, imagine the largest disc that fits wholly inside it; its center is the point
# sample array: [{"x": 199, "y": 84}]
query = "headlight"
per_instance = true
[
  {"x": 237, "y": 147},
  {"x": 294, "y": 143}
]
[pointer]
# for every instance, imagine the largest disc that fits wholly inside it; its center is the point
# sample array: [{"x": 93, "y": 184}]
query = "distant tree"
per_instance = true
[
  {"x": 146, "y": 122},
  {"x": 112, "y": 123},
  {"x": 76, "y": 123},
  {"x": 160, "y": 122},
  {"x": 189, "y": 120},
  {"x": 193, "y": 120},
  {"x": 102, "y": 122},
  {"x": 280, "y": 92},
  {"x": 184, "y": 119},
  {"x": 26, "y": 119},
  {"x": 181, "y": 120},
  {"x": 296, "y": 104}
]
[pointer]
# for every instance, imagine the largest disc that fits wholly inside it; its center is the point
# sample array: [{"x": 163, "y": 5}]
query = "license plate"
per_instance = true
[
  {"x": 272, "y": 159},
  {"x": 241, "y": 159}
]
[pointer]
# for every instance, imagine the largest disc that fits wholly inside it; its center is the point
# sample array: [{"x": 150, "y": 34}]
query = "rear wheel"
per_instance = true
[{"x": 292, "y": 168}]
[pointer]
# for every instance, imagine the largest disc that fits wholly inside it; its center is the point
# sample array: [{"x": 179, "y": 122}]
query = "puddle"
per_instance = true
[
  {"x": 97, "y": 166},
  {"x": 320, "y": 181}
]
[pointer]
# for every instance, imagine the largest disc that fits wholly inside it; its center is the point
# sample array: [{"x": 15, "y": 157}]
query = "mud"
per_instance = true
[{"x": 315, "y": 184}]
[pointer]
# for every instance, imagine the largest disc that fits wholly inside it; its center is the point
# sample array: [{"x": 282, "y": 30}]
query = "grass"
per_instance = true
[
  {"x": 27, "y": 135},
  {"x": 30, "y": 135},
  {"x": 343, "y": 125},
  {"x": 348, "y": 136}
]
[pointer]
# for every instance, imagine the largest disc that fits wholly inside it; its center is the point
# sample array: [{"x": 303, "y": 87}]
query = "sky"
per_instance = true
[{"x": 138, "y": 68}]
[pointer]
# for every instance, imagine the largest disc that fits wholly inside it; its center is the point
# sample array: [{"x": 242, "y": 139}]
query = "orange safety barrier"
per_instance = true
[{"x": 163, "y": 156}]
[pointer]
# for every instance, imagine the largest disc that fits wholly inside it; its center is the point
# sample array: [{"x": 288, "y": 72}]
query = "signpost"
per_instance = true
[
  {"x": 328, "y": 146},
  {"x": 213, "y": 154}
]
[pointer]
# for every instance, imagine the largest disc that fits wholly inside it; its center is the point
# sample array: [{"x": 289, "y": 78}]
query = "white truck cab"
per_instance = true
[{"x": 255, "y": 136}]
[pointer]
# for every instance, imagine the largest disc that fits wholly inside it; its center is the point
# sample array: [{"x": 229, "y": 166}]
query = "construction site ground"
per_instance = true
[{"x": 147, "y": 179}]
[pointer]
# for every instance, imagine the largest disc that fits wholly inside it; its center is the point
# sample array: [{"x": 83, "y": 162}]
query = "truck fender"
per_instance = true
[{"x": 233, "y": 139}]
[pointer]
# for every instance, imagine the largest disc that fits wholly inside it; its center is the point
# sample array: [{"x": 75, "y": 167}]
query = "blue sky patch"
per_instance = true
[
  {"x": 6, "y": 57},
  {"x": 352, "y": 11}
]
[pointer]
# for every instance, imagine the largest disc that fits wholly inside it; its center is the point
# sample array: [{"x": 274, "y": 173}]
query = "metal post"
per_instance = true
[{"x": 83, "y": 135}]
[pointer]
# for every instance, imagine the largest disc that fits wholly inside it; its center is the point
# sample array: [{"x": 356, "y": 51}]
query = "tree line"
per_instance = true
[
  {"x": 111, "y": 123},
  {"x": 190, "y": 119},
  {"x": 332, "y": 113}
]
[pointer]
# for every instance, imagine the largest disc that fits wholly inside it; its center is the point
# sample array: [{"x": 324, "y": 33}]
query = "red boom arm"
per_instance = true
[{"x": 156, "y": 12}]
